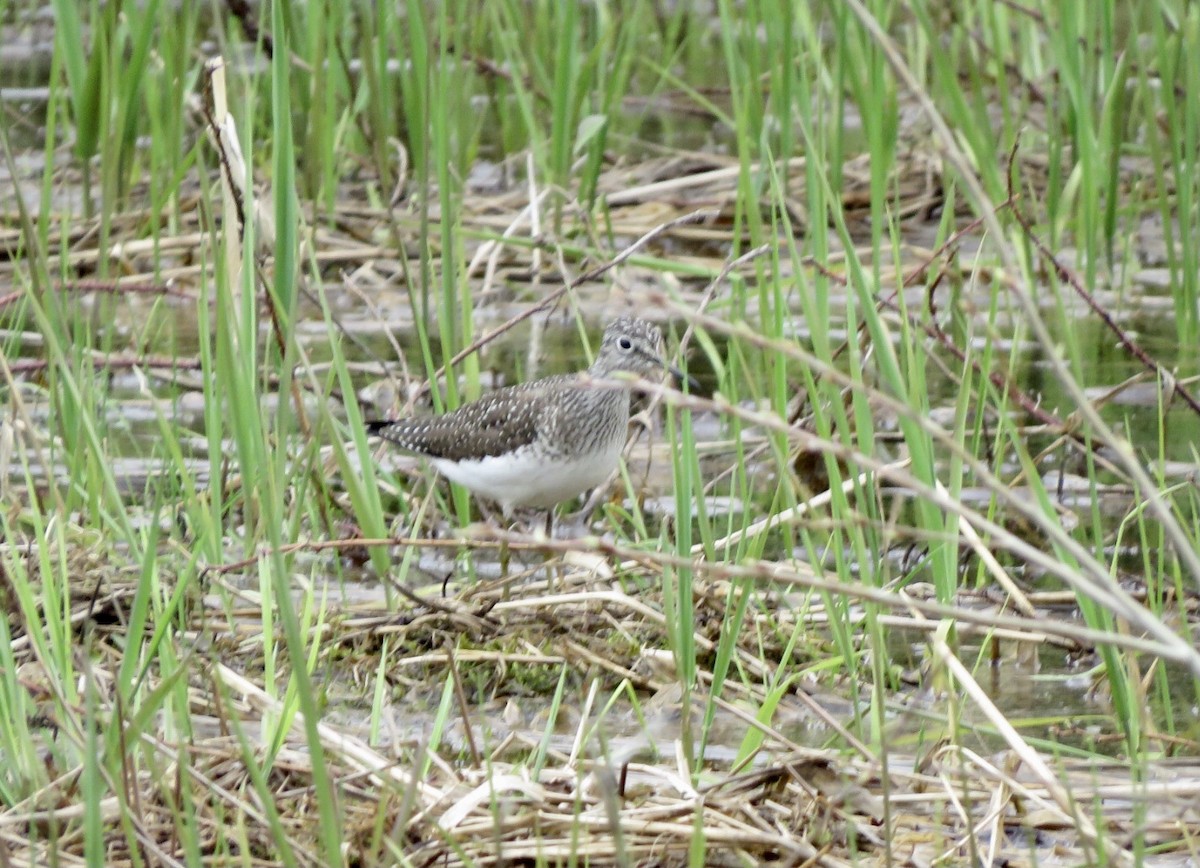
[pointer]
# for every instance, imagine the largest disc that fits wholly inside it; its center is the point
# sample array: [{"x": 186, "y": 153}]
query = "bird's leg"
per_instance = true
[
  {"x": 553, "y": 575},
  {"x": 504, "y": 552}
]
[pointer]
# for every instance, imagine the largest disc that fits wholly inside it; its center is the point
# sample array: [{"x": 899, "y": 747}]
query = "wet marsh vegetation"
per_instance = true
[{"x": 912, "y": 578}]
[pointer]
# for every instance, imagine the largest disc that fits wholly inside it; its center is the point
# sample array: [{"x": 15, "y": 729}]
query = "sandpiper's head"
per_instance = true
[{"x": 633, "y": 346}]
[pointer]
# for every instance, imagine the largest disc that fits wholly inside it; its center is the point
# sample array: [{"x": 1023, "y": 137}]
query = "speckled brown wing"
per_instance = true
[{"x": 497, "y": 423}]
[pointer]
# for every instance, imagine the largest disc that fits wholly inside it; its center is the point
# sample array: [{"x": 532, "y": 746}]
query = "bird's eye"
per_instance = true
[{"x": 625, "y": 344}]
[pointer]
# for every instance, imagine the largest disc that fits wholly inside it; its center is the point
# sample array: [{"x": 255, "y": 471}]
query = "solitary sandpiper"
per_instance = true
[{"x": 539, "y": 443}]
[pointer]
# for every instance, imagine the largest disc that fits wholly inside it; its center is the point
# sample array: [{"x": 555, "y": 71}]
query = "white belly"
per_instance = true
[{"x": 525, "y": 479}]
